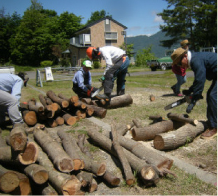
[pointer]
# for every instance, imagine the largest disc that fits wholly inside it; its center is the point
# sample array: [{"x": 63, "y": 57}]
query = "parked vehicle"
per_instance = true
[{"x": 161, "y": 63}]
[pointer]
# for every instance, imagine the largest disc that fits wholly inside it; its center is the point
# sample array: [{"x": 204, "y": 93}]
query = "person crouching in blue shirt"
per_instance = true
[
  {"x": 10, "y": 94},
  {"x": 204, "y": 66},
  {"x": 82, "y": 81}
]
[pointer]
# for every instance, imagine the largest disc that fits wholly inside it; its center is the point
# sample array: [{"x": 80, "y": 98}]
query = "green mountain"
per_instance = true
[{"x": 144, "y": 41}]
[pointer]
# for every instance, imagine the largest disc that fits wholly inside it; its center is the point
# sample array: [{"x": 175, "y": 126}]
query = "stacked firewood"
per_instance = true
[
  {"x": 56, "y": 110},
  {"x": 45, "y": 166}
]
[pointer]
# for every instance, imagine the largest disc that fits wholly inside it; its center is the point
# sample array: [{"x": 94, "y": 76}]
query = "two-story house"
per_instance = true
[{"x": 103, "y": 32}]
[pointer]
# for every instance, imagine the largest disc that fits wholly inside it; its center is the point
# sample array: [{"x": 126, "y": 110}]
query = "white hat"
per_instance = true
[{"x": 87, "y": 63}]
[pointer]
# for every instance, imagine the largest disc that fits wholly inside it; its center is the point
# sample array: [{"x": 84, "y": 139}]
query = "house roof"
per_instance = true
[{"x": 97, "y": 21}]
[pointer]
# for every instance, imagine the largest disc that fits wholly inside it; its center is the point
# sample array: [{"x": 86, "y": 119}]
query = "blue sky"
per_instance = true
[{"x": 139, "y": 16}]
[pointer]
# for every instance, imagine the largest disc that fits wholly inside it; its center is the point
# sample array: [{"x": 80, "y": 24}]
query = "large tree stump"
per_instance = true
[
  {"x": 182, "y": 118},
  {"x": 59, "y": 157},
  {"x": 181, "y": 136},
  {"x": 120, "y": 101},
  {"x": 149, "y": 132},
  {"x": 130, "y": 179},
  {"x": 148, "y": 173},
  {"x": 18, "y": 138}
]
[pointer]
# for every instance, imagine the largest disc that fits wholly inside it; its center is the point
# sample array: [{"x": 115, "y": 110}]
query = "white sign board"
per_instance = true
[{"x": 48, "y": 74}]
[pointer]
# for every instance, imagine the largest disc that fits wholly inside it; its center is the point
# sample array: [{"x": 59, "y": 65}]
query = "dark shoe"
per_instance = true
[
  {"x": 174, "y": 89},
  {"x": 209, "y": 133},
  {"x": 103, "y": 96}
]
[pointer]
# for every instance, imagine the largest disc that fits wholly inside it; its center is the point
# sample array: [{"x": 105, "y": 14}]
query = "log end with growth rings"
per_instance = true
[
  {"x": 66, "y": 165},
  {"x": 41, "y": 177},
  {"x": 102, "y": 170},
  {"x": 158, "y": 142}
]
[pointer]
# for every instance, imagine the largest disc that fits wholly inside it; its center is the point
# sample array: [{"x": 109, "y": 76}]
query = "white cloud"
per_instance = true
[{"x": 157, "y": 18}]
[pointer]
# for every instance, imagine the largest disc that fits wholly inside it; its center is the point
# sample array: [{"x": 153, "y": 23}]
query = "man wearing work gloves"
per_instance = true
[
  {"x": 10, "y": 94},
  {"x": 82, "y": 81},
  {"x": 204, "y": 66},
  {"x": 117, "y": 63}
]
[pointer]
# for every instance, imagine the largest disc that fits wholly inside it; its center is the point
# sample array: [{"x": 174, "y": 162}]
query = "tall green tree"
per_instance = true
[
  {"x": 8, "y": 27},
  {"x": 97, "y": 15},
  {"x": 143, "y": 55},
  {"x": 191, "y": 19}
]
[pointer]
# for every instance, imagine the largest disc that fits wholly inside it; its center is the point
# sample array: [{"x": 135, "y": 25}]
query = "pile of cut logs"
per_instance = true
[{"x": 56, "y": 110}]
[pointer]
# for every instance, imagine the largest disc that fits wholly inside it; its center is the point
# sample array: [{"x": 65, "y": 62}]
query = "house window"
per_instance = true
[{"x": 110, "y": 35}]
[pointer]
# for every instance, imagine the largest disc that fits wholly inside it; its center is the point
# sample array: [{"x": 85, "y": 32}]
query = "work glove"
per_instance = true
[
  {"x": 89, "y": 92},
  {"x": 186, "y": 92},
  {"x": 194, "y": 99}
]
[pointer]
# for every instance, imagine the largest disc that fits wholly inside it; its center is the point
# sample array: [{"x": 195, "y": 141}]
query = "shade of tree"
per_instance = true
[{"x": 195, "y": 20}]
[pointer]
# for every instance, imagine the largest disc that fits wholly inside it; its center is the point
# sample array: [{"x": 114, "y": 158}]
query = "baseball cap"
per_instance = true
[{"x": 87, "y": 64}]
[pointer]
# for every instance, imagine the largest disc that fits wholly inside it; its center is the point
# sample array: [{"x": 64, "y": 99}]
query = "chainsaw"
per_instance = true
[{"x": 186, "y": 99}]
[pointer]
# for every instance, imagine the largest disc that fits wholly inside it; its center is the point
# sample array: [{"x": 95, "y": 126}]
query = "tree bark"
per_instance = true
[
  {"x": 37, "y": 173},
  {"x": 18, "y": 138},
  {"x": 9, "y": 180},
  {"x": 63, "y": 103},
  {"x": 111, "y": 178},
  {"x": 120, "y": 101},
  {"x": 99, "y": 111},
  {"x": 148, "y": 173},
  {"x": 181, "y": 136},
  {"x": 69, "y": 120},
  {"x": 59, "y": 157},
  {"x": 143, "y": 152},
  {"x": 71, "y": 149},
  {"x": 130, "y": 179},
  {"x": 149, "y": 132},
  {"x": 182, "y": 118},
  {"x": 63, "y": 183}
]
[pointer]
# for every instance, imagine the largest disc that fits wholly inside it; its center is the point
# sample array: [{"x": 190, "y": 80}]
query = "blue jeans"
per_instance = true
[
  {"x": 212, "y": 104},
  {"x": 118, "y": 71},
  {"x": 180, "y": 80}
]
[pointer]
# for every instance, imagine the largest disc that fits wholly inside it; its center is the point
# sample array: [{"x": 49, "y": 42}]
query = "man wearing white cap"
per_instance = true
[
  {"x": 82, "y": 81},
  {"x": 204, "y": 66}
]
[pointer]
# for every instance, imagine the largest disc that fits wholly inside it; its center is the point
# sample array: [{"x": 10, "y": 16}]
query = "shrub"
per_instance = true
[{"x": 46, "y": 63}]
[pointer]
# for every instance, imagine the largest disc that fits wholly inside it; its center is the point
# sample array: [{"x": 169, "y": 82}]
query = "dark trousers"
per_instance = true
[
  {"x": 118, "y": 71},
  {"x": 212, "y": 104}
]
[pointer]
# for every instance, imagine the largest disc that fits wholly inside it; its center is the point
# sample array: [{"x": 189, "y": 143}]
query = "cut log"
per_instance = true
[
  {"x": 99, "y": 111},
  {"x": 63, "y": 103},
  {"x": 80, "y": 143},
  {"x": 111, "y": 178},
  {"x": 30, "y": 117},
  {"x": 94, "y": 186},
  {"x": 148, "y": 173},
  {"x": 59, "y": 157},
  {"x": 86, "y": 100},
  {"x": 74, "y": 99},
  {"x": 89, "y": 111},
  {"x": 59, "y": 120},
  {"x": 49, "y": 190},
  {"x": 149, "y": 132},
  {"x": 18, "y": 138},
  {"x": 137, "y": 123},
  {"x": 144, "y": 153},
  {"x": 63, "y": 97},
  {"x": 180, "y": 137},
  {"x": 42, "y": 100},
  {"x": 9, "y": 180},
  {"x": 2, "y": 141},
  {"x": 65, "y": 184},
  {"x": 85, "y": 178},
  {"x": 152, "y": 98},
  {"x": 182, "y": 118},
  {"x": 71, "y": 148},
  {"x": 120, "y": 101},
  {"x": 52, "y": 122},
  {"x": 130, "y": 179},
  {"x": 29, "y": 155},
  {"x": 37, "y": 173},
  {"x": 68, "y": 119}
]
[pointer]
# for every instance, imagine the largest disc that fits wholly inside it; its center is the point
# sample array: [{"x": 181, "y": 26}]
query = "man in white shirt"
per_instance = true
[
  {"x": 117, "y": 63},
  {"x": 10, "y": 94}
]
